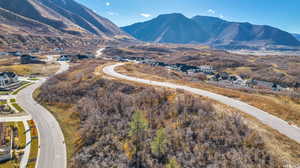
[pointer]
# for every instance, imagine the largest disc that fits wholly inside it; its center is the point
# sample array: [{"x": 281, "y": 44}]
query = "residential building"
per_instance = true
[{"x": 7, "y": 79}]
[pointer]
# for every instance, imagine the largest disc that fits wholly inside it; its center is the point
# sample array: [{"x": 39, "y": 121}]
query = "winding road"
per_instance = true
[
  {"x": 52, "y": 153},
  {"x": 274, "y": 122}
]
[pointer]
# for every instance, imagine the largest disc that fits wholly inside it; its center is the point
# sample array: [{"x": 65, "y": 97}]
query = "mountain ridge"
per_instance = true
[{"x": 211, "y": 31}]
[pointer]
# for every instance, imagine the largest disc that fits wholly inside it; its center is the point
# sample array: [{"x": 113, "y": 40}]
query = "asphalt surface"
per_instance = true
[
  {"x": 52, "y": 152},
  {"x": 274, "y": 122}
]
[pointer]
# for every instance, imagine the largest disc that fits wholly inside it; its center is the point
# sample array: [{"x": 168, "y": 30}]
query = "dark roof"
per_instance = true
[{"x": 9, "y": 74}]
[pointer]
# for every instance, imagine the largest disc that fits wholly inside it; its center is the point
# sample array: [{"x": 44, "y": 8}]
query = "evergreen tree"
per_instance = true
[
  {"x": 173, "y": 163},
  {"x": 138, "y": 129},
  {"x": 158, "y": 145}
]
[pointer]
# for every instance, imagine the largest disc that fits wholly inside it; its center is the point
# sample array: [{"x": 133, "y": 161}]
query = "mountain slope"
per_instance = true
[
  {"x": 14, "y": 23},
  {"x": 65, "y": 16},
  {"x": 170, "y": 28},
  {"x": 209, "y": 30},
  {"x": 297, "y": 36},
  {"x": 48, "y": 24},
  {"x": 225, "y": 32}
]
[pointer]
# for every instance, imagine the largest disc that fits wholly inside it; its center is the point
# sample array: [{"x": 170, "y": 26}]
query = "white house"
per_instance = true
[{"x": 206, "y": 69}]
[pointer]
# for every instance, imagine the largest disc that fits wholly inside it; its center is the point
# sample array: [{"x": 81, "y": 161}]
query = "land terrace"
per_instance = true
[{"x": 220, "y": 78}]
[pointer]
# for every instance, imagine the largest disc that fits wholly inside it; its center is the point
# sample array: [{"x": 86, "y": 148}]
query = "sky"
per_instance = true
[{"x": 283, "y": 14}]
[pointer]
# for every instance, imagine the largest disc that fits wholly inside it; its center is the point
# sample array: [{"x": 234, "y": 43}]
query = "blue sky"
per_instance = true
[{"x": 283, "y": 14}]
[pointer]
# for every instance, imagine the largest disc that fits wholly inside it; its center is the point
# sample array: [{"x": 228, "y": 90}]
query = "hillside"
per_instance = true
[
  {"x": 297, "y": 36},
  {"x": 176, "y": 28},
  {"x": 65, "y": 19},
  {"x": 167, "y": 29}
]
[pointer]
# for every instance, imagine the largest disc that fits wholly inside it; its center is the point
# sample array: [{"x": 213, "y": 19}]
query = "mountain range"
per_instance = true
[{"x": 176, "y": 28}]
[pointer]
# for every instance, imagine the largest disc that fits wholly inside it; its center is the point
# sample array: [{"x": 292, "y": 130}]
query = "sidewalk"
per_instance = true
[{"x": 25, "y": 158}]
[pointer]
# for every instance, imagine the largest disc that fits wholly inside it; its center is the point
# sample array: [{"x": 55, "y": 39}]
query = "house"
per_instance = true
[
  {"x": 267, "y": 85},
  {"x": 15, "y": 53},
  {"x": 28, "y": 59},
  {"x": 221, "y": 76},
  {"x": 7, "y": 79},
  {"x": 3, "y": 53},
  {"x": 64, "y": 58},
  {"x": 206, "y": 69}
]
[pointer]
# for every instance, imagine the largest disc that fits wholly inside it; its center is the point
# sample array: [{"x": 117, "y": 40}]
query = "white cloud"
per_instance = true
[
  {"x": 211, "y": 11},
  {"x": 146, "y": 15},
  {"x": 107, "y": 3},
  {"x": 221, "y": 16}
]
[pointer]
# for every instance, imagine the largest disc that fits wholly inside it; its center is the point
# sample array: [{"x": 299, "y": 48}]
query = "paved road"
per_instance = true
[
  {"x": 52, "y": 152},
  {"x": 276, "y": 123}
]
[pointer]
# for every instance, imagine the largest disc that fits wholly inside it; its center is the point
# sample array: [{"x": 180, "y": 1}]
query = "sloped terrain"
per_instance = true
[
  {"x": 22, "y": 21},
  {"x": 297, "y": 36}
]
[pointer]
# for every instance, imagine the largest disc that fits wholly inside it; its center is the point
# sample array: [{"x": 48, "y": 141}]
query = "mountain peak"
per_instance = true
[
  {"x": 171, "y": 16},
  {"x": 206, "y": 18}
]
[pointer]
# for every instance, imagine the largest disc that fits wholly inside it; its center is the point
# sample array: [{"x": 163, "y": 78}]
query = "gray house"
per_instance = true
[{"x": 7, "y": 79}]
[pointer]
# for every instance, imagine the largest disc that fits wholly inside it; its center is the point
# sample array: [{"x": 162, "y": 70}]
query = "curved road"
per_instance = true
[
  {"x": 276, "y": 123},
  {"x": 52, "y": 153}
]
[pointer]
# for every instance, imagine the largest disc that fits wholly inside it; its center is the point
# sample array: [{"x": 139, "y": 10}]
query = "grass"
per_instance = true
[
  {"x": 17, "y": 107},
  {"x": 34, "y": 148},
  {"x": 4, "y": 92},
  {"x": 68, "y": 122},
  {"x": 29, "y": 69},
  {"x": 34, "y": 79},
  {"x": 3, "y": 102},
  {"x": 22, "y": 135},
  {"x": 12, "y": 100}
]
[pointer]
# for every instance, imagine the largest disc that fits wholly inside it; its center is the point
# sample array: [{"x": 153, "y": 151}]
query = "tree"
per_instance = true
[
  {"x": 138, "y": 128},
  {"x": 158, "y": 145},
  {"x": 173, "y": 163}
]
